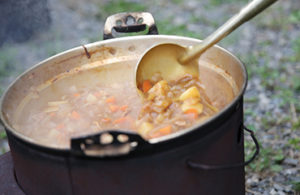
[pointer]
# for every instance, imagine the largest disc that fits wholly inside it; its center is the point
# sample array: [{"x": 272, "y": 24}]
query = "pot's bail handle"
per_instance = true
[
  {"x": 201, "y": 166},
  {"x": 108, "y": 143},
  {"x": 129, "y": 22}
]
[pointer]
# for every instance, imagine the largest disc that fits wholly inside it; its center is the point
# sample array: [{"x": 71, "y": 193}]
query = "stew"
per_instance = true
[{"x": 83, "y": 102}]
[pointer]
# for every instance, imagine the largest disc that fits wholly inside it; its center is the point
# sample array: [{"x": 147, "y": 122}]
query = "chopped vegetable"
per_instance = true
[
  {"x": 76, "y": 94},
  {"x": 75, "y": 115},
  {"x": 120, "y": 120},
  {"x": 166, "y": 130},
  {"x": 91, "y": 99},
  {"x": 113, "y": 108},
  {"x": 57, "y": 103},
  {"x": 159, "y": 89},
  {"x": 145, "y": 128},
  {"x": 97, "y": 124},
  {"x": 193, "y": 112},
  {"x": 191, "y": 92},
  {"x": 146, "y": 86},
  {"x": 51, "y": 109},
  {"x": 124, "y": 108},
  {"x": 111, "y": 99},
  {"x": 186, "y": 106},
  {"x": 160, "y": 118},
  {"x": 106, "y": 120}
]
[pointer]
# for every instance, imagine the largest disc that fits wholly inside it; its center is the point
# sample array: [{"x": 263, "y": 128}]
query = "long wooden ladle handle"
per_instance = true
[{"x": 245, "y": 14}]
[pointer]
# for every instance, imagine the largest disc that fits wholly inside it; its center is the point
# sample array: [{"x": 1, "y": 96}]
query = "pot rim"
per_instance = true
[{"x": 78, "y": 49}]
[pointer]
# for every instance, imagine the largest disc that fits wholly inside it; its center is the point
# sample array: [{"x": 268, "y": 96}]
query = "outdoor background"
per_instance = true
[{"x": 269, "y": 45}]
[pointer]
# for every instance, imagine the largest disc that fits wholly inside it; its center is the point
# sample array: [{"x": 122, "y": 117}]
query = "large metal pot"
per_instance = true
[{"x": 205, "y": 159}]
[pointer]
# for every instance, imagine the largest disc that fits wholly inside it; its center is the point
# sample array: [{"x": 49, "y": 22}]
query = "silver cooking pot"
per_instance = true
[{"x": 206, "y": 158}]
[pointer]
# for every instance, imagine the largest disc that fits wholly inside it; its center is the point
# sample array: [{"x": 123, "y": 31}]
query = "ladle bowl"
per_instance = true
[
  {"x": 163, "y": 58},
  {"x": 173, "y": 61}
]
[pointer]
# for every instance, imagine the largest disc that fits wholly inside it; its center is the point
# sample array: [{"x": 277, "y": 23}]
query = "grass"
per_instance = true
[
  {"x": 251, "y": 62},
  {"x": 261, "y": 163},
  {"x": 166, "y": 28},
  {"x": 203, "y": 20},
  {"x": 221, "y": 2},
  {"x": 296, "y": 49},
  {"x": 251, "y": 100},
  {"x": 296, "y": 186},
  {"x": 177, "y": 2},
  {"x": 249, "y": 112},
  {"x": 273, "y": 18},
  {"x": 296, "y": 125},
  {"x": 7, "y": 64},
  {"x": 2, "y": 135},
  {"x": 277, "y": 18},
  {"x": 295, "y": 143},
  {"x": 268, "y": 160},
  {"x": 284, "y": 86},
  {"x": 113, "y": 7},
  {"x": 294, "y": 17}
]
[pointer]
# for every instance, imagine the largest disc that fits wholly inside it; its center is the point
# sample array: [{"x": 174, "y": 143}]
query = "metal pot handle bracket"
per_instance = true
[
  {"x": 108, "y": 143},
  {"x": 201, "y": 166},
  {"x": 128, "y": 22}
]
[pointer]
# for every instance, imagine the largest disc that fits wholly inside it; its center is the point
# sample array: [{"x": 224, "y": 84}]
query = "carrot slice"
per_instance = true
[
  {"x": 106, "y": 120},
  {"x": 124, "y": 108},
  {"x": 111, "y": 99},
  {"x": 76, "y": 94},
  {"x": 114, "y": 108},
  {"x": 146, "y": 86},
  {"x": 60, "y": 126},
  {"x": 192, "y": 112},
  {"x": 75, "y": 115},
  {"x": 166, "y": 130},
  {"x": 120, "y": 120}
]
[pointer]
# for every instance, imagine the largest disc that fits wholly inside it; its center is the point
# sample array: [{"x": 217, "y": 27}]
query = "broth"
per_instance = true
[{"x": 104, "y": 98}]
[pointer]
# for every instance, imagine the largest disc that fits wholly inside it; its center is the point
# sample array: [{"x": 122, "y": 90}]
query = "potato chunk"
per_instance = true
[
  {"x": 91, "y": 99},
  {"x": 145, "y": 128},
  {"x": 159, "y": 89},
  {"x": 191, "y": 92}
]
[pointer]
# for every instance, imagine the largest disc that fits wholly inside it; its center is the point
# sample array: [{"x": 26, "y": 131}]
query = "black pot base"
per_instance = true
[{"x": 8, "y": 183}]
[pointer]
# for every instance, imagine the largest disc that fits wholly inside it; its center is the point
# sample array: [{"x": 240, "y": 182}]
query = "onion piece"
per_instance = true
[
  {"x": 191, "y": 92},
  {"x": 57, "y": 103},
  {"x": 51, "y": 109},
  {"x": 91, "y": 99}
]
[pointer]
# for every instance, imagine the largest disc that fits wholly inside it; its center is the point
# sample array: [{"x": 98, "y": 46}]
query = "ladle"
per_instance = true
[{"x": 173, "y": 61}]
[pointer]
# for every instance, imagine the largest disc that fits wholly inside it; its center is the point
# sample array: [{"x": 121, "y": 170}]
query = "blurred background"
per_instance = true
[{"x": 269, "y": 45}]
